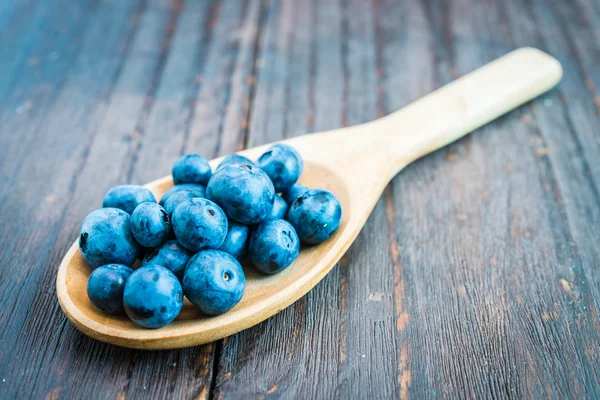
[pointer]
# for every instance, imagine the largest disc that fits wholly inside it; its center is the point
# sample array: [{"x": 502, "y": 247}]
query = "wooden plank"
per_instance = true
[
  {"x": 407, "y": 67},
  {"x": 366, "y": 272},
  {"x": 574, "y": 147},
  {"x": 39, "y": 70},
  {"x": 222, "y": 105},
  {"x": 20, "y": 26},
  {"x": 577, "y": 47},
  {"x": 165, "y": 131},
  {"x": 439, "y": 260}
]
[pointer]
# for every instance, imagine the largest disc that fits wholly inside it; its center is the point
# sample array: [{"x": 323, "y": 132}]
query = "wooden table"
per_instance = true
[{"x": 477, "y": 274}]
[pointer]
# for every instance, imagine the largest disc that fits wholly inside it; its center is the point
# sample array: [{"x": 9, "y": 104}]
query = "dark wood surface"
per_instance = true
[{"x": 477, "y": 275}]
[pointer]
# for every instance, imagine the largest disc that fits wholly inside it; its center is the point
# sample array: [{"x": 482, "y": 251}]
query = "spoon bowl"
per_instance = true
[
  {"x": 265, "y": 295},
  {"x": 355, "y": 164}
]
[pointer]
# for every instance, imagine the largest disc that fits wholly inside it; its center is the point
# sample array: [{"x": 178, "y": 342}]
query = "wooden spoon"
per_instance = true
[{"x": 355, "y": 163}]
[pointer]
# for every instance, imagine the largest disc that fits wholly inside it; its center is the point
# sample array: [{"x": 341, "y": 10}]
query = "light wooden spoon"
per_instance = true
[{"x": 355, "y": 163}]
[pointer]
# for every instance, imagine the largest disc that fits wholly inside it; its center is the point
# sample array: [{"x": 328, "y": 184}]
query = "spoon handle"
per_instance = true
[
  {"x": 390, "y": 143},
  {"x": 466, "y": 104}
]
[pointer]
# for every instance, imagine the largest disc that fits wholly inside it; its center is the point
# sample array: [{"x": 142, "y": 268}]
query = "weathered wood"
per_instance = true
[
  {"x": 28, "y": 292},
  {"x": 38, "y": 75},
  {"x": 476, "y": 275},
  {"x": 497, "y": 231},
  {"x": 40, "y": 165},
  {"x": 20, "y": 27},
  {"x": 148, "y": 85},
  {"x": 406, "y": 65}
]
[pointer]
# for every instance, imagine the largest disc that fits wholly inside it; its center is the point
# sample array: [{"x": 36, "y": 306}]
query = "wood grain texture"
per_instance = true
[
  {"x": 134, "y": 87},
  {"x": 476, "y": 275}
]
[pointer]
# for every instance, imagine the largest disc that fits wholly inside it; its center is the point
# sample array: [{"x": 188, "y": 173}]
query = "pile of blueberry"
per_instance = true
[{"x": 194, "y": 240}]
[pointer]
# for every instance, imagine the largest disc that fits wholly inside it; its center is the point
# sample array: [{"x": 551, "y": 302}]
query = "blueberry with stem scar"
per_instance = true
[
  {"x": 214, "y": 281},
  {"x": 282, "y": 164},
  {"x": 315, "y": 215},
  {"x": 150, "y": 224},
  {"x": 274, "y": 245},
  {"x": 244, "y": 192},
  {"x": 199, "y": 224},
  {"x": 106, "y": 238},
  {"x": 294, "y": 192},
  {"x": 153, "y": 297}
]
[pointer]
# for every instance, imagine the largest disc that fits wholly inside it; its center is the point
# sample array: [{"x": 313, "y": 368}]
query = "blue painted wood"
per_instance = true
[
  {"x": 476, "y": 275},
  {"x": 39, "y": 77}
]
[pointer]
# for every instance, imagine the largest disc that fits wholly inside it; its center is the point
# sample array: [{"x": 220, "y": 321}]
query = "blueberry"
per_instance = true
[
  {"x": 199, "y": 224},
  {"x": 172, "y": 255},
  {"x": 283, "y": 165},
  {"x": 177, "y": 198},
  {"x": 280, "y": 208},
  {"x": 274, "y": 245},
  {"x": 105, "y": 287},
  {"x": 294, "y": 192},
  {"x": 106, "y": 238},
  {"x": 153, "y": 296},
  {"x": 214, "y": 281},
  {"x": 150, "y": 224},
  {"x": 235, "y": 241},
  {"x": 191, "y": 168},
  {"x": 245, "y": 193},
  {"x": 235, "y": 159},
  {"x": 199, "y": 191},
  {"x": 315, "y": 215},
  {"x": 127, "y": 197}
]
